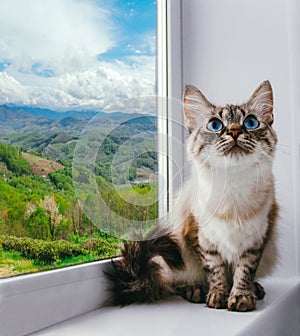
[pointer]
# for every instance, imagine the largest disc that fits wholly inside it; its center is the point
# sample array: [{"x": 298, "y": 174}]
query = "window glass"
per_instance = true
[{"x": 78, "y": 133}]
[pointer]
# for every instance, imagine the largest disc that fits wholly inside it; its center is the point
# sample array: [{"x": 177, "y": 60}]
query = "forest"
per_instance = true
[{"x": 43, "y": 224}]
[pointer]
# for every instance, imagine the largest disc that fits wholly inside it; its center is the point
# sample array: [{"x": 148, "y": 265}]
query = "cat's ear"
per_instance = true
[
  {"x": 261, "y": 102},
  {"x": 196, "y": 107}
]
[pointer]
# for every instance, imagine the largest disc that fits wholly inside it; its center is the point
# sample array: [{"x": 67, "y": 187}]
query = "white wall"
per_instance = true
[{"x": 229, "y": 47}]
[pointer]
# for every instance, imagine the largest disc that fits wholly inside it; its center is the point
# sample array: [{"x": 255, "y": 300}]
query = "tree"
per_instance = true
[
  {"x": 37, "y": 224},
  {"x": 14, "y": 160},
  {"x": 54, "y": 218},
  {"x": 77, "y": 218}
]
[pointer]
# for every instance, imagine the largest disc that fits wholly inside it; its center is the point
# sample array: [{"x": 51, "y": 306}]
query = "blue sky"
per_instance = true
[
  {"x": 76, "y": 53},
  {"x": 134, "y": 19}
]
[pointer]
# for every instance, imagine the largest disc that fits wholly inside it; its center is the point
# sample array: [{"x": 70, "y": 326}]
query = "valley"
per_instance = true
[{"x": 39, "y": 209}]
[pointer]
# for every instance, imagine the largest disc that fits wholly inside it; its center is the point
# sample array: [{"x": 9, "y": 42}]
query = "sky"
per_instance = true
[{"x": 77, "y": 54}]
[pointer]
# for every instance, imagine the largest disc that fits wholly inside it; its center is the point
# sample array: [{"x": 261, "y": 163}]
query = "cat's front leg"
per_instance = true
[
  {"x": 217, "y": 280},
  {"x": 245, "y": 292}
]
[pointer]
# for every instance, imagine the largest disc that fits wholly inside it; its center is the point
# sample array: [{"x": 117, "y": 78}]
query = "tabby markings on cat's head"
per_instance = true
[{"x": 231, "y": 131}]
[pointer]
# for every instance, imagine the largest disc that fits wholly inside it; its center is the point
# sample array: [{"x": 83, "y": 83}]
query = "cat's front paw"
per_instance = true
[
  {"x": 192, "y": 293},
  {"x": 217, "y": 298},
  {"x": 242, "y": 302}
]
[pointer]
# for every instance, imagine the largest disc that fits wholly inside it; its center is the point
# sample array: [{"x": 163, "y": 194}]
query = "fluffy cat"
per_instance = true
[{"x": 221, "y": 235}]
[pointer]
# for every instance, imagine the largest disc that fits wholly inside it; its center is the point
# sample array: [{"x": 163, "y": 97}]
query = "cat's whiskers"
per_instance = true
[
  {"x": 200, "y": 144},
  {"x": 247, "y": 144},
  {"x": 219, "y": 146},
  {"x": 262, "y": 151},
  {"x": 280, "y": 146},
  {"x": 259, "y": 172}
]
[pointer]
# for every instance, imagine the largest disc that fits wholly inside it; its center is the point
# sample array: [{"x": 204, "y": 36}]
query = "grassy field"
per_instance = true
[
  {"x": 12, "y": 263},
  {"x": 27, "y": 255}
]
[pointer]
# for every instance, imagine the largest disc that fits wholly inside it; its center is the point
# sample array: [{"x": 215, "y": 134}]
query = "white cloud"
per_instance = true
[
  {"x": 107, "y": 86},
  {"x": 11, "y": 90},
  {"x": 64, "y": 37},
  {"x": 60, "y": 34}
]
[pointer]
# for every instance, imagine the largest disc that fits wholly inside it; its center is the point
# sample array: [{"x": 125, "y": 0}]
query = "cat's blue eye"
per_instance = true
[
  {"x": 251, "y": 122},
  {"x": 215, "y": 125}
]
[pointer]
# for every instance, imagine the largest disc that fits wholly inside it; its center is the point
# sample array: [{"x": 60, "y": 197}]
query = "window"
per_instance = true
[
  {"x": 78, "y": 130},
  {"x": 45, "y": 292}
]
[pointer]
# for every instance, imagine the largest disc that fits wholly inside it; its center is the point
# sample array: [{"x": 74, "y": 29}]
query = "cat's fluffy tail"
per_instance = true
[{"x": 136, "y": 277}]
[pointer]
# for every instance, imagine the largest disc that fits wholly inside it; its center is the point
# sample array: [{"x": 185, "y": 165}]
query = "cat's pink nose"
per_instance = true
[{"x": 234, "y": 131}]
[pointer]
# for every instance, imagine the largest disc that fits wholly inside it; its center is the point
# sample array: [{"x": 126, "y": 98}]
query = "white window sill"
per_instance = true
[
  {"x": 278, "y": 314},
  {"x": 71, "y": 296},
  {"x": 31, "y": 302}
]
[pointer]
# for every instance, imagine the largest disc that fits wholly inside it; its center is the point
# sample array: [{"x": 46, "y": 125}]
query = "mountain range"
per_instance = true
[
  {"x": 16, "y": 119},
  {"x": 54, "y": 134},
  {"x": 54, "y": 115}
]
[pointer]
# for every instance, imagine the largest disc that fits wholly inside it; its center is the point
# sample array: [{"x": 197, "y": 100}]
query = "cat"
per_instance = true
[{"x": 222, "y": 232}]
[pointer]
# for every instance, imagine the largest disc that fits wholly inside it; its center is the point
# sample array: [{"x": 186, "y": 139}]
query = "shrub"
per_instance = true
[
  {"x": 67, "y": 250},
  {"x": 100, "y": 247},
  {"x": 62, "y": 179},
  {"x": 42, "y": 252}
]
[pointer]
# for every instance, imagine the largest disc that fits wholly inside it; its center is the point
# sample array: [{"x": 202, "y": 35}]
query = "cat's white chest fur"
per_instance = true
[
  {"x": 232, "y": 239},
  {"x": 232, "y": 209}
]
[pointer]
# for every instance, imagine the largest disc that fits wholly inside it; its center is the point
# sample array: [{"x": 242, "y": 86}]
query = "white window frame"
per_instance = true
[
  {"x": 32, "y": 302},
  {"x": 170, "y": 86},
  {"x": 293, "y": 7}
]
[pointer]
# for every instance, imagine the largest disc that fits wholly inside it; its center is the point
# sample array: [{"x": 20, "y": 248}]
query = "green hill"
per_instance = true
[{"x": 14, "y": 160}]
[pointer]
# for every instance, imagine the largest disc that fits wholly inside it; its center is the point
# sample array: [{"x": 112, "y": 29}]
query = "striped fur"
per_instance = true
[
  {"x": 221, "y": 234},
  {"x": 135, "y": 277}
]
